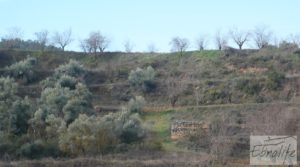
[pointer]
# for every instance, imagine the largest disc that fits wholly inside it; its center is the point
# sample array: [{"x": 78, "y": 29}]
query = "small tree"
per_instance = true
[
  {"x": 295, "y": 39},
  {"x": 201, "y": 42},
  {"x": 143, "y": 78},
  {"x": 179, "y": 45},
  {"x": 63, "y": 39},
  {"x": 175, "y": 88},
  {"x": 42, "y": 38},
  {"x": 152, "y": 48},
  {"x": 128, "y": 45},
  {"x": 239, "y": 37},
  {"x": 220, "y": 40},
  {"x": 262, "y": 36},
  {"x": 13, "y": 38},
  {"x": 96, "y": 41}
]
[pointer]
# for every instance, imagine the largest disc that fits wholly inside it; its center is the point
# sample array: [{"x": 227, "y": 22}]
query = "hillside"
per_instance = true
[{"x": 202, "y": 86}]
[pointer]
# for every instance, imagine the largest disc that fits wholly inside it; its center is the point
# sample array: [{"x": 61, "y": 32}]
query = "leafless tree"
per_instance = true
[
  {"x": 175, "y": 87},
  {"x": 152, "y": 48},
  {"x": 63, "y": 39},
  {"x": 13, "y": 38},
  {"x": 84, "y": 46},
  {"x": 14, "y": 33},
  {"x": 104, "y": 43},
  {"x": 274, "y": 120},
  {"x": 95, "y": 41},
  {"x": 262, "y": 36},
  {"x": 201, "y": 42},
  {"x": 179, "y": 45},
  {"x": 239, "y": 37},
  {"x": 295, "y": 39},
  {"x": 42, "y": 38},
  {"x": 128, "y": 45},
  {"x": 220, "y": 40}
]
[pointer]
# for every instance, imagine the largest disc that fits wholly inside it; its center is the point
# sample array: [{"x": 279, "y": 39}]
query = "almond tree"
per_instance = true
[
  {"x": 42, "y": 38},
  {"x": 220, "y": 40},
  {"x": 262, "y": 36},
  {"x": 62, "y": 39},
  {"x": 201, "y": 42},
  {"x": 239, "y": 37},
  {"x": 179, "y": 45}
]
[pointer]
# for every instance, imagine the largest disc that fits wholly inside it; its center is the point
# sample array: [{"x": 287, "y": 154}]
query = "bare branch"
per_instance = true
[
  {"x": 128, "y": 45},
  {"x": 201, "y": 42},
  {"x": 63, "y": 39},
  {"x": 179, "y": 44},
  {"x": 220, "y": 40},
  {"x": 239, "y": 37},
  {"x": 42, "y": 38},
  {"x": 262, "y": 36}
]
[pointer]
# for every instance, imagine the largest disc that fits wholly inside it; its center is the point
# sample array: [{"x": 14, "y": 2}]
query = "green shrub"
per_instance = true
[
  {"x": 38, "y": 149},
  {"x": 72, "y": 68},
  {"x": 14, "y": 111},
  {"x": 23, "y": 69},
  {"x": 136, "y": 104},
  {"x": 67, "y": 81},
  {"x": 143, "y": 78},
  {"x": 249, "y": 86},
  {"x": 274, "y": 80}
]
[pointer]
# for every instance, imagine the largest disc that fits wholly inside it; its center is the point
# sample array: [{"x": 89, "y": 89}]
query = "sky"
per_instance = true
[{"x": 146, "y": 22}]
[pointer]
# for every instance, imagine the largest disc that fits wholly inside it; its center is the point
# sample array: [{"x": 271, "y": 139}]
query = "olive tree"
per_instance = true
[{"x": 143, "y": 78}]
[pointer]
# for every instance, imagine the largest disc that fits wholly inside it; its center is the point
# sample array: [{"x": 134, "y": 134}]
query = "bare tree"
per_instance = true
[
  {"x": 42, "y": 38},
  {"x": 152, "y": 48},
  {"x": 262, "y": 36},
  {"x": 14, "y": 33},
  {"x": 295, "y": 39},
  {"x": 275, "y": 119},
  {"x": 175, "y": 87},
  {"x": 220, "y": 40},
  {"x": 13, "y": 38},
  {"x": 104, "y": 43},
  {"x": 128, "y": 45},
  {"x": 84, "y": 46},
  {"x": 239, "y": 37},
  {"x": 63, "y": 39},
  {"x": 179, "y": 45},
  {"x": 201, "y": 42},
  {"x": 95, "y": 41}
]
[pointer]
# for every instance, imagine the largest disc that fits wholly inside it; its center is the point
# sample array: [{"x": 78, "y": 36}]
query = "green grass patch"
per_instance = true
[{"x": 210, "y": 54}]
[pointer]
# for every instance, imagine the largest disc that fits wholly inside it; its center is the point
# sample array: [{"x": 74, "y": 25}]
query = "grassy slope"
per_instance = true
[{"x": 159, "y": 122}]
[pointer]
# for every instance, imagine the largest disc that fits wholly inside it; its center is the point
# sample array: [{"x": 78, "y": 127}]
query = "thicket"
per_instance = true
[{"x": 62, "y": 122}]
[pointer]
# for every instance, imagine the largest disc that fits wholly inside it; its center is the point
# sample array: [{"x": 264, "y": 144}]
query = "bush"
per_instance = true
[
  {"x": 38, "y": 149},
  {"x": 136, "y": 104},
  {"x": 275, "y": 80},
  {"x": 143, "y": 78},
  {"x": 67, "y": 81},
  {"x": 249, "y": 86},
  {"x": 23, "y": 69},
  {"x": 73, "y": 69}
]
